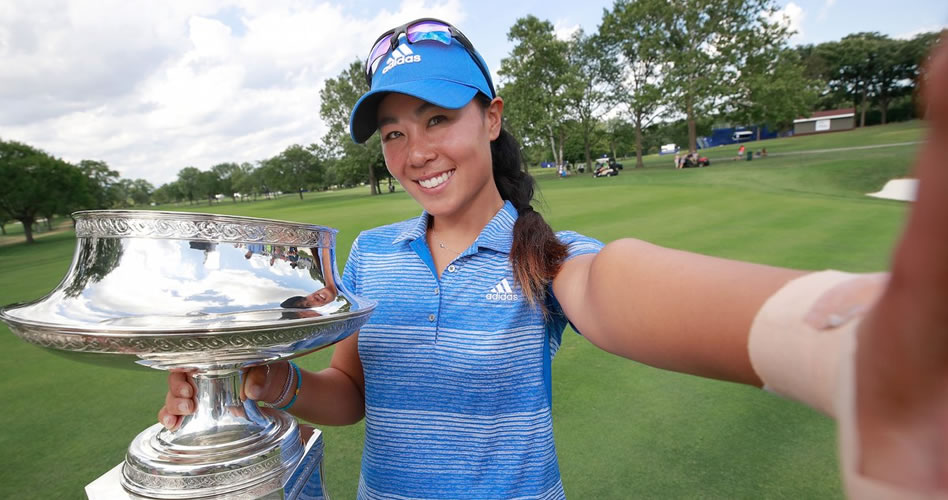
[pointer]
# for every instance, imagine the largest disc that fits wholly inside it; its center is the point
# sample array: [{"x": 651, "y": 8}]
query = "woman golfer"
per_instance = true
[{"x": 452, "y": 371}]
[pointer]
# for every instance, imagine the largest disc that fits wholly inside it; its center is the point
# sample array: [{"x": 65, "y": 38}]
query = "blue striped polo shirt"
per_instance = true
[{"x": 457, "y": 368}]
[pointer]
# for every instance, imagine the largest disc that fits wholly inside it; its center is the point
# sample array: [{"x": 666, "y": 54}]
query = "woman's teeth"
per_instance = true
[{"x": 436, "y": 181}]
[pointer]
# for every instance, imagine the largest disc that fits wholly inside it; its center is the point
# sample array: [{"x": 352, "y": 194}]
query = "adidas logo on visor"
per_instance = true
[
  {"x": 501, "y": 292},
  {"x": 401, "y": 55}
]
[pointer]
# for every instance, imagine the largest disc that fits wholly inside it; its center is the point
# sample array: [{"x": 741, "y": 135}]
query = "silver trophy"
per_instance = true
[{"x": 213, "y": 295}]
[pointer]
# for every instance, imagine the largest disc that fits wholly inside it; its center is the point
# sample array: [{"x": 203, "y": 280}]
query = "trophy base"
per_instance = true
[{"x": 304, "y": 483}]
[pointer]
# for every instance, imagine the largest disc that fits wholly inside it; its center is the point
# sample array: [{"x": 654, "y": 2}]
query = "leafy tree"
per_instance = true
[
  {"x": 354, "y": 163},
  {"x": 35, "y": 183},
  {"x": 704, "y": 45},
  {"x": 633, "y": 38},
  {"x": 168, "y": 193},
  {"x": 772, "y": 89},
  {"x": 246, "y": 181},
  {"x": 590, "y": 95},
  {"x": 120, "y": 193},
  {"x": 917, "y": 50},
  {"x": 208, "y": 184},
  {"x": 100, "y": 181},
  {"x": 852, "y": 66},
  {"x": 228, "y": 175},
  {"x": 301, "y": 169},
  {"x": 188, "y": 183},
  {"x": 537, "y": 80},
  {"x": 70, "y": 186},
  {"x": 140, "y": 191}
]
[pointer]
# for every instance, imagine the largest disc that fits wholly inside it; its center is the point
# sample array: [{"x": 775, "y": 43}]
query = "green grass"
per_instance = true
[{"x": 623, "y": 430}]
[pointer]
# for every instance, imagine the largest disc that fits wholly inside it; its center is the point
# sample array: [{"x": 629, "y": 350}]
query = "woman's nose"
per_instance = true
[{"x": 420, "y": 152}]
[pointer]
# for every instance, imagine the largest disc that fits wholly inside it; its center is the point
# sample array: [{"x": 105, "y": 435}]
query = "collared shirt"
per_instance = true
[{"x": 457, "y": 368}]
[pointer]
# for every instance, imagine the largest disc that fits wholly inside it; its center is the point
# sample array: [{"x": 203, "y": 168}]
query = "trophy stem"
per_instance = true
[
  {"x": 219, "y": 416},
  {"x": 226, "y": 447}
]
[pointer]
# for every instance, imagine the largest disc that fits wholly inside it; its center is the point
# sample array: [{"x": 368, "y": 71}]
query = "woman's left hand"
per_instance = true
[{"x": 902, "y": 354}]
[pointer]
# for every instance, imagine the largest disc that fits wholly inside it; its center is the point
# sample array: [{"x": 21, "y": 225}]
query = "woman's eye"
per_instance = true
[
  {"x": 436, "y": 120},
  {"x": 392, "y": 135}
]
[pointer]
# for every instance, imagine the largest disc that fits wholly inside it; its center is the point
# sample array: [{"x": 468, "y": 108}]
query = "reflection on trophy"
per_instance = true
[{"x": 212, "y": 295}]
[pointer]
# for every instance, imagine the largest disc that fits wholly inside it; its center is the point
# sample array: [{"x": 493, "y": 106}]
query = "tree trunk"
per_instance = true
[
  {"x": 49, "y": 222},
  {"x": 588, "y": 154},
  {"x": 758, "y": 132},
  {"x": 862, "y": 110},
  {"x": 27, "y": 228},
  {"x": 884, "y": 108},
  {"x": 559, "y": 159},
  {"x": 552, "y": 144},
  {"x": 638, "y": 141},
  {"x": 373, "y": 187},
  {"x": 3, "y": 229},
  {"x": 612, "y": 145},
  {"x": 692, "y": 132}
]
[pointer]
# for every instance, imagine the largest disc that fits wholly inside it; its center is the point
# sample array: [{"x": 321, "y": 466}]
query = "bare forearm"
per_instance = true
[
  {"x": 329, "y": 397},
  {"x": 677, "y": 310}
]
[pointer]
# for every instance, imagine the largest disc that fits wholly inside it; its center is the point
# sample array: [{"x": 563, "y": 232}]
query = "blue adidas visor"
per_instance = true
[{"x": 444, "y": 75}]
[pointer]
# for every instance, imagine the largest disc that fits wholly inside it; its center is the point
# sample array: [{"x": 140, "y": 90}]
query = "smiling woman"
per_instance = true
[{"x": 452, "y": 372}]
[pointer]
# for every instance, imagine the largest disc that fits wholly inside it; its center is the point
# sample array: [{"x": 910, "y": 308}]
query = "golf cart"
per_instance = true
[
  {"x": 693, "y": 160},
  {"x": 604, "y": 169}
]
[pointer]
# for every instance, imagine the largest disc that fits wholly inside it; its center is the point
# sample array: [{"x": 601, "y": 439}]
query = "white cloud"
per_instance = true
[
  {"x": 564, "y": 31},
  {"x": 824, "y": 10},
  {"x": 924, "y": 29},
  {"x": 792, "y": 16},
  {"x": 152, "y": 87}
]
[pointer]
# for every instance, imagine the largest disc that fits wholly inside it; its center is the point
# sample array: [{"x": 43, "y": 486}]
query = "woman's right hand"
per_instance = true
[{"x": 179, "y": 401}]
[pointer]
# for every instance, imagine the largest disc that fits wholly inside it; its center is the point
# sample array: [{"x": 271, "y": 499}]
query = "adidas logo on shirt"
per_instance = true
[
  {"x": 401, "y": 55},
  {"x": 501, "y": 292}
]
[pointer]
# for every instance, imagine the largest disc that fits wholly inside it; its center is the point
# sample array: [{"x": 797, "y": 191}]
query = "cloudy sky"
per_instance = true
[{"x": 153, "y": 86}]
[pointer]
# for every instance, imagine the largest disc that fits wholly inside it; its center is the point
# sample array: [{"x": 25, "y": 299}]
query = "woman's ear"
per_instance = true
[{"x": 494, "y": 115}]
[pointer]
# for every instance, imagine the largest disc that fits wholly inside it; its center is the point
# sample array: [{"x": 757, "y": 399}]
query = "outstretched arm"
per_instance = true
[
  {"x": 693, "y": 314},
  {"x": 668, "y": 308}
]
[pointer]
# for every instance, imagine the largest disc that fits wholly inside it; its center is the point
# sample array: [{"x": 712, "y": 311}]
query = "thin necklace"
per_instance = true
[
  {"x": 446, "y": 247},
  {"x": 442, "y": 244}
]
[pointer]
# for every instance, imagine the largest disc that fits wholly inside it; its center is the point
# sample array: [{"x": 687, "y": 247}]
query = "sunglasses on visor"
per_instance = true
[{"x": 416, "y": 31}]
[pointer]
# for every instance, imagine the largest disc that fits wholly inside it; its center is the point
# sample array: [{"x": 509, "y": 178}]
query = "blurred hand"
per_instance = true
[{"x": 902, "y": 357}]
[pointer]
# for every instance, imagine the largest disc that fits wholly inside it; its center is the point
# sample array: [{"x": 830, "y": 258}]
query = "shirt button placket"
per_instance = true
[{"x": 432, "y": 318}]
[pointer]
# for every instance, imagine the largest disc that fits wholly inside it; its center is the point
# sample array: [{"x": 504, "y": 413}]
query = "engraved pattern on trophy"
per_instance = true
[
  {"x": 111, "y": 224},
  {"x": 211, "y": 294},
  {"x": 144, "y": 346},
  {"x": 208, "y": 481}
]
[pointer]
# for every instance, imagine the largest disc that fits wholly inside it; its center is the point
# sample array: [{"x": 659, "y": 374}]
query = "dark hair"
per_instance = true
[{"x": 536, "y": 254}]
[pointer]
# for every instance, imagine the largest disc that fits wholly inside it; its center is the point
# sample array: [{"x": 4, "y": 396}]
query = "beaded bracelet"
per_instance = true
[{"x": 299, "y": 383}]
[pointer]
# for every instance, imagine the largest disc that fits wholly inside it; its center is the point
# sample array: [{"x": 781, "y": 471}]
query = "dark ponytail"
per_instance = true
[{"x": 536, "y": 254}]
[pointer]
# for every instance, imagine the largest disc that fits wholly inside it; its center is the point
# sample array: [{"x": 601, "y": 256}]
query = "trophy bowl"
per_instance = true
[{"x": 211, "y": 295}]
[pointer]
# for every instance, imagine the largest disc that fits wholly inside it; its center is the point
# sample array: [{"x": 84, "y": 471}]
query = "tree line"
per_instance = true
[
  {"x": 653, "y": 72},
  {"x": 657, "y": 72}
]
